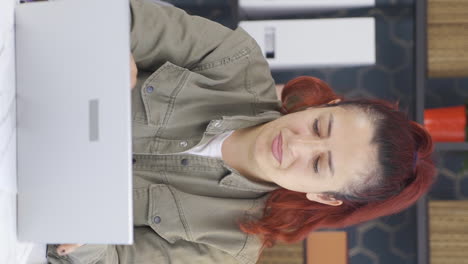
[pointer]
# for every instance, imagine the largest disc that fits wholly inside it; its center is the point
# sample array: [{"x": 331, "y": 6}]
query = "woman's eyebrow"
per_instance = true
[{"x": 330, "y": 124}]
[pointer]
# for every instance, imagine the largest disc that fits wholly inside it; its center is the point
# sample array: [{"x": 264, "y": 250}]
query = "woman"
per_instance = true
[{"x": 222, "y": 169}]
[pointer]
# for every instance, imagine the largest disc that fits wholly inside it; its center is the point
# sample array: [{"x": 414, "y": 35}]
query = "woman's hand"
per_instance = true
[
  {"x": 64, "y": 249},
  {"x": 133, "y": 72}
]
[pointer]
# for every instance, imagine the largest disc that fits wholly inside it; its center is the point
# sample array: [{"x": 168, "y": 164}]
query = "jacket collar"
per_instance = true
[
  {"x": 234, "y": 180},
  {"x": 228, "y": 123}
]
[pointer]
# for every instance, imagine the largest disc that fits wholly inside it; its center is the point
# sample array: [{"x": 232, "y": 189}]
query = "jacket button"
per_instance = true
[
  {"x": 183, "y": 144},
  {"x": 149, "y": 89},
  {"x": 157, "y": 220},
  {"x": 184, "y": 162},
  {"x": 217, "y": 123}
]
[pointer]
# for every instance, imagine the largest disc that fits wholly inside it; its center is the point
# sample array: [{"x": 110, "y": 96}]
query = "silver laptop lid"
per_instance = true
[{"x": 73, "y": 122}]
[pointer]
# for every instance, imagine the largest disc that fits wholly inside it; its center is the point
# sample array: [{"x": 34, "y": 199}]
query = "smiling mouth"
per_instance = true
[{"x": 277, "y": 148}]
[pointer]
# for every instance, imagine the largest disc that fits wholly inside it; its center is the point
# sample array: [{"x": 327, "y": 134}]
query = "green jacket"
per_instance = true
[{"x": 196, "y": 79}]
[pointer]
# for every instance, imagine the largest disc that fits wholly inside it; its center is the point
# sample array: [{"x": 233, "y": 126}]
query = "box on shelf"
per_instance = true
[
  {"x": 448, "y": 230},
  {"x": 447, "y": 124},
  {"x": 327, "y": 247},
  {"x": 253, "y": 8},
  {"x": 447, "y": 24},
  {"x": 321, "y": 247},
  {"x": 306, "y": 43},
  {"x": 283, "y": 253}
]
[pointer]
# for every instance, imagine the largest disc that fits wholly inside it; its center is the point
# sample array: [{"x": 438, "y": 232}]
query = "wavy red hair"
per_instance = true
[{"x": 289, "y": 216}]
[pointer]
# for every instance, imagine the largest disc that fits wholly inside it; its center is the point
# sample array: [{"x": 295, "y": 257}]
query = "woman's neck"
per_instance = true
[{"x": 237, "y": 151}]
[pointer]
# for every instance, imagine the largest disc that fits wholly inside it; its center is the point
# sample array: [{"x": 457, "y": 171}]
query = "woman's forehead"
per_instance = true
[
  {"x": 359, "y": 115},
  {"x": 352, "y": 143}
]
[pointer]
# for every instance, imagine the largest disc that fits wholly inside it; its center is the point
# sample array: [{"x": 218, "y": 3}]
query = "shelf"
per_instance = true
[
  {"x": 423, "y": 256},
  {"x": 420, "y": 51},
  {"x": 452, "y": 146},
  {"x": 420, "y": 58}
]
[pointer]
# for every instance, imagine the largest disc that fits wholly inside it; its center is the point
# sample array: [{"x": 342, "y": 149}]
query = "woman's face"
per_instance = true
[{"x": 323, "y": 149}]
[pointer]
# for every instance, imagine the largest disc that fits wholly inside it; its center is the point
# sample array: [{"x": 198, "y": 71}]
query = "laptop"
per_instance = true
[{"x": 74, "y": 122}]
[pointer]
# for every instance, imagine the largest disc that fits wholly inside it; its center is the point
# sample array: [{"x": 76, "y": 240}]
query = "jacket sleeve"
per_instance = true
[
  {"x": 161, "y": 33},
  {"x": 148, "y": 247}
]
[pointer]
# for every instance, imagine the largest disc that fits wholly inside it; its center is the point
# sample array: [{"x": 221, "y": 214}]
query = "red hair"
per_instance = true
[
  {"x": 305, "y": 91},
  {"x": 406, "y": 171}
]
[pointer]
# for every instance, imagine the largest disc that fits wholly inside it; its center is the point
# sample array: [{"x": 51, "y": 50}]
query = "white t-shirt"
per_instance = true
[{"x": 212, "y": 148}]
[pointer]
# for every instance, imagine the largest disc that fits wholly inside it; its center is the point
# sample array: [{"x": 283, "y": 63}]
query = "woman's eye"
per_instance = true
[
  {"x": 316, "y": 164},
  {"x": 316, "y": 128}
]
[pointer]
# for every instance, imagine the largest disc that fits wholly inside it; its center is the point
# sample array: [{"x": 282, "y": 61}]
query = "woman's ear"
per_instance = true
[
  {"x": 335, "y": 101},
  {"x": 323, "y": 199}
]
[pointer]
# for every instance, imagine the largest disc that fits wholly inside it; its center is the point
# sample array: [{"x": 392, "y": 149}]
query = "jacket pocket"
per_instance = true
[
  {"x": 159, "y": 92},
  {"x": 165, "y": 215}
]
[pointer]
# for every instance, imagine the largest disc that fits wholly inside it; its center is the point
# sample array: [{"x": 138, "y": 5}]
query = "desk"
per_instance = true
[{"x": 11, "y": 251}]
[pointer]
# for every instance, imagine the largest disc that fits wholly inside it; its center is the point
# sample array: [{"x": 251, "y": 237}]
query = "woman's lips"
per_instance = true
[{"x": 277, "y": 148}]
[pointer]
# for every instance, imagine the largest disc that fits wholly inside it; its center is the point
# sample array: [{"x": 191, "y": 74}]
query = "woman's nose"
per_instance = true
[{"x": 306, "y": 143}]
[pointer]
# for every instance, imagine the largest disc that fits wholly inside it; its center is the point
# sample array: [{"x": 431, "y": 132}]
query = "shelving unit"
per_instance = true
[
  {"x": 420, "y": 84},
  {"x": 452, "y": 146}
]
